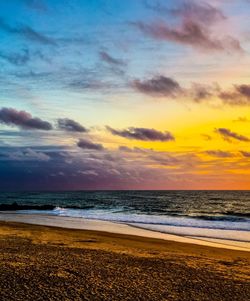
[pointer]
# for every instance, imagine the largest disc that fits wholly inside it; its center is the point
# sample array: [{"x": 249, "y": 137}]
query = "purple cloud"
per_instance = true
[
  {"x": 86, "y": 144},
  {"x": 219, "y": 154},
  {"x": 244, "y": 90},
  {"x": 143, "y": 134},
  {"x": 202, "y": 12},
  {"x": 194, "y": 29},
  {"x": 240, "y": 95},
  {"x": 189, "y": 33},
  {"x": 158, "y": 86},
  {"x": 228, "y": 134},
  {"x": 70, "y": 125},
  {"x": 23, "y": 120},
  {"x": 245, "y": 154}
]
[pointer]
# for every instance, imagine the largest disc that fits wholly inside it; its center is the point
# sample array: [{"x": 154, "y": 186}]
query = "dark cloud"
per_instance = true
[
  {"x": 82, "y": 171},
  {"x": 70, "y": 125},
  {"x": 86, "y": 144},
  {"x": 194, "y": 29},
  {"x": 158, "y": 86},
  {"x": 28, "y": 33},
  {"x": 110, "y": 60},
  {"x": 244, "y": 90},
  {"x": 228, "y": 135},
  {"x": 163, "y": 86},
  {"x": 240, "y": 95},
  {"x": 59, "y": 168},
  {"x": 143, "y": 134},
  {"x": 22, "y": 119},
  {"x": 245, "y": 154},
  {"x": 219, "y": 154}
]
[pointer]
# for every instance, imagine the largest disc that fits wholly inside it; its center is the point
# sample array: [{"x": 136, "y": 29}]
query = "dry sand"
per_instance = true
[{"x": 45, "y": 263}]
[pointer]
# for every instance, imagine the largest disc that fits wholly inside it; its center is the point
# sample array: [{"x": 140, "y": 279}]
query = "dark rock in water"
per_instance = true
[{"x": 14, "y": 206}]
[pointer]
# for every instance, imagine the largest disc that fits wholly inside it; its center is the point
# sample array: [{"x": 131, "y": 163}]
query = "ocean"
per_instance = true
[{"x": 162, "y": 211}]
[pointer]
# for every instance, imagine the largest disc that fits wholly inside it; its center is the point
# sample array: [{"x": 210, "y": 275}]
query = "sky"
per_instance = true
[{"x": 135, "y": 94}]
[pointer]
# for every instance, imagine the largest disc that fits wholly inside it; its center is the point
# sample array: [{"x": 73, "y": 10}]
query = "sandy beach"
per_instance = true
[{"x": 51, "y": 263}]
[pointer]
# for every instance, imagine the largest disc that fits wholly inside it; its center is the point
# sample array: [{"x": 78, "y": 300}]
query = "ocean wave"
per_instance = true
[
  {"x": 215, "y": 220},
  {"x": 15, "y": 206},
  {"x": 214, "y": 215},
  {"x": 144, "y": 219}
]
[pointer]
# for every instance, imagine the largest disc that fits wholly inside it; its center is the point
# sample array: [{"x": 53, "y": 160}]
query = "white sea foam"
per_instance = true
[{"x": 220, "y": 229}]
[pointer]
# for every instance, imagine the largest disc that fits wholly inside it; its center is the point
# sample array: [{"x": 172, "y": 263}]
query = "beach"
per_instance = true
[{"x": 41, "y": 262}]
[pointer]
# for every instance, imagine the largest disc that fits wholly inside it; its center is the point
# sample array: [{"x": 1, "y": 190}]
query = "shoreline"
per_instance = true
[{"x": 120, "y": 228}]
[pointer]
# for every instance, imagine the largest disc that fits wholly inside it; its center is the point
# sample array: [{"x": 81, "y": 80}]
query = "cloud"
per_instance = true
[
  {"x": 219, "y": 154},
  {"x": 88, "y": 172},
  {"x": 201, "y": 92},
  {"x": 143, "y": 134},
  {"x": 17, "y": 59},
  {"x": 162, "y": 86},
  {"x": 29, "y": 155},
  {"x": 113, "y": 65},
  {"x": 22, "y": 119},
  {"x": 86, "y": 144},
  {"x": 23, "y": 57},
  {"x": 245, "y": 154},
  {"x": 239, "y": 95},
  {"x": 189, "y": 33},
  {"x": 70, "y": 125},
  {"x": 158, "y": 86},
  {"x": 244, "y": 90},
  {"x": 195, "y": 27},
  {"x": 199, "y": 11},
  {"x": 241, "y": 119},
  {"x": 28, "y": 33},
  {"x": 127, "y": 149},
  {"x": 228, "y": 135},
  {"x": 163, "y": 159},
  {"x": 110, "y": 169},
  {"x": 109, "y": 59}
]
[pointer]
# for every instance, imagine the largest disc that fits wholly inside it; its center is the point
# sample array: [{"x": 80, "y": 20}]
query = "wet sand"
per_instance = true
[{"x": 49, "y": 263}]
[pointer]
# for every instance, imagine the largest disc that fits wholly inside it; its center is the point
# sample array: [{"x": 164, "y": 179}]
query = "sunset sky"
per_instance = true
[{"x": 135, "y": 94}]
